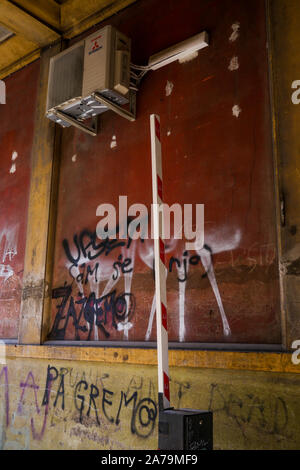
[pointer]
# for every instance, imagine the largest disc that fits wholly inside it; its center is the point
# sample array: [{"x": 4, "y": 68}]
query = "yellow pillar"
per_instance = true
[
  {"x": 284, "y": 21},
  {"x": 41, "y": 217}
]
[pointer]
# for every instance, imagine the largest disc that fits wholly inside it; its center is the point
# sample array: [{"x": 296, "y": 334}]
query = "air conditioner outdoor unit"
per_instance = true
[
  {"x": 89, "y": 78},
  {"x": 96, "y": 74}
]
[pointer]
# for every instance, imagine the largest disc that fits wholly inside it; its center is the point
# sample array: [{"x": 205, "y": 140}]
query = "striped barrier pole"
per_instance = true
[{"x": 160, "y": 268}]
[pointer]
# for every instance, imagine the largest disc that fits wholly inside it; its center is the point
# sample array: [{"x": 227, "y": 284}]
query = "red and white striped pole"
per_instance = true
[{"x": 160, "y": 268}]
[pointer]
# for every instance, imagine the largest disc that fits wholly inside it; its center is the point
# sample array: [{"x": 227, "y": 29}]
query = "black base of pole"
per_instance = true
[{"x": 184, "y": 429}]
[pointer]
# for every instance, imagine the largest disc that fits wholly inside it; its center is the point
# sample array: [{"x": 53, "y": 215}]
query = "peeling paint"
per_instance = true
[
  {"x": 234, "y": 64},
  {"x": 169, "y": 88},
  {"x": 113, "y": 143},
  {"x": 235, "y": 32},
  {"x": 74, "y": 158},
  {"x": 14, "y": 155},
  {"x": 13, "y": 168},
  {"x": 236, "y": 110}
]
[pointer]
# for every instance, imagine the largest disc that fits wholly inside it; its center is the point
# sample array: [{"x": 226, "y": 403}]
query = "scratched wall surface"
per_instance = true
[
  {"x": 216, "y": 144},
  {"x": 16, "y": 135},
  {"x": 73, "y": 405}
]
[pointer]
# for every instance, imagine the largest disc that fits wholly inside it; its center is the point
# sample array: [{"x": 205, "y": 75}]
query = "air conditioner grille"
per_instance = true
[{"x": 65, "y": 77}]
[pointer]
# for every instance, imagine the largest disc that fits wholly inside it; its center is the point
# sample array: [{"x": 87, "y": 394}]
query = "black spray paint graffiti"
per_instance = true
[
  {"x": 26, "y": 386},
  {"x": 86, "y": 247},
  {"x": 267, "y": 415},
  {"x": 186, "y": 260},
  {"x": 101, "y": 410},
  {"x": 85, "y": 268},
  {"x": 83, "y": 273},
  {"x": 94, "y": 404},
  {"x": 90, "y": 399},
  {"x": 107, "y": 311},
  {"x": 144, "y": 411}
]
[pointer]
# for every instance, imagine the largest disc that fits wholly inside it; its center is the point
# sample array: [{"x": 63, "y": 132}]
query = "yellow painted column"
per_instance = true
[
  {"x": 41, "y": 219},
  {"x": 284, "y": 21}
]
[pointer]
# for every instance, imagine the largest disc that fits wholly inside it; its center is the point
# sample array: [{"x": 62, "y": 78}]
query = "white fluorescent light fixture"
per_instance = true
[{"x": 179, "y": 51}]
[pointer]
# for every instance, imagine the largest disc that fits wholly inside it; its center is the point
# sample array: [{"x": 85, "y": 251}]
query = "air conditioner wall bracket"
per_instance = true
[
  {"x": 74, "y": 122},
  {"x": 130, "y": 115}
]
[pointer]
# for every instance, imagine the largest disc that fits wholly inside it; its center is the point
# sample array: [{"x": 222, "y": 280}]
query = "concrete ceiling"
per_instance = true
[{"x": 27, "y": 26}]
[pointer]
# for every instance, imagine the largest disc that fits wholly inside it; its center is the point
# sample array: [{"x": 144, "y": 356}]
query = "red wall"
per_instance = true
[
  {"x": 210, "y": 156},
  {"x": 16, "y": 135}
]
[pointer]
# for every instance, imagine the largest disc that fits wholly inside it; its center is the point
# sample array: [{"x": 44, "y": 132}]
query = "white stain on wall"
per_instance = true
[
  {"x": 13, "y": 168},
  {"x": 113, "y": 143},
  {"x": 234, "y": 64},
  {"x": 14, "y": 157},
  {"x": 236, "y": 110},
  {"x": 169, "y": 88},
  {"x": 235, "y": 31}
]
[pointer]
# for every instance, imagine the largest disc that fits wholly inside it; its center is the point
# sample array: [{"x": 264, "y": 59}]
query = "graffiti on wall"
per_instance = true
[
  {"x": 94, "y": 303},
  {"x": 249, "y": 411},
  {"x": 98, "y": 408},
  {"x": 8, "y": 250},
  {"x": 90, "y": 301},
  {"x": 10, "y": 281},
  {"x": 84, "y": 401}
]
